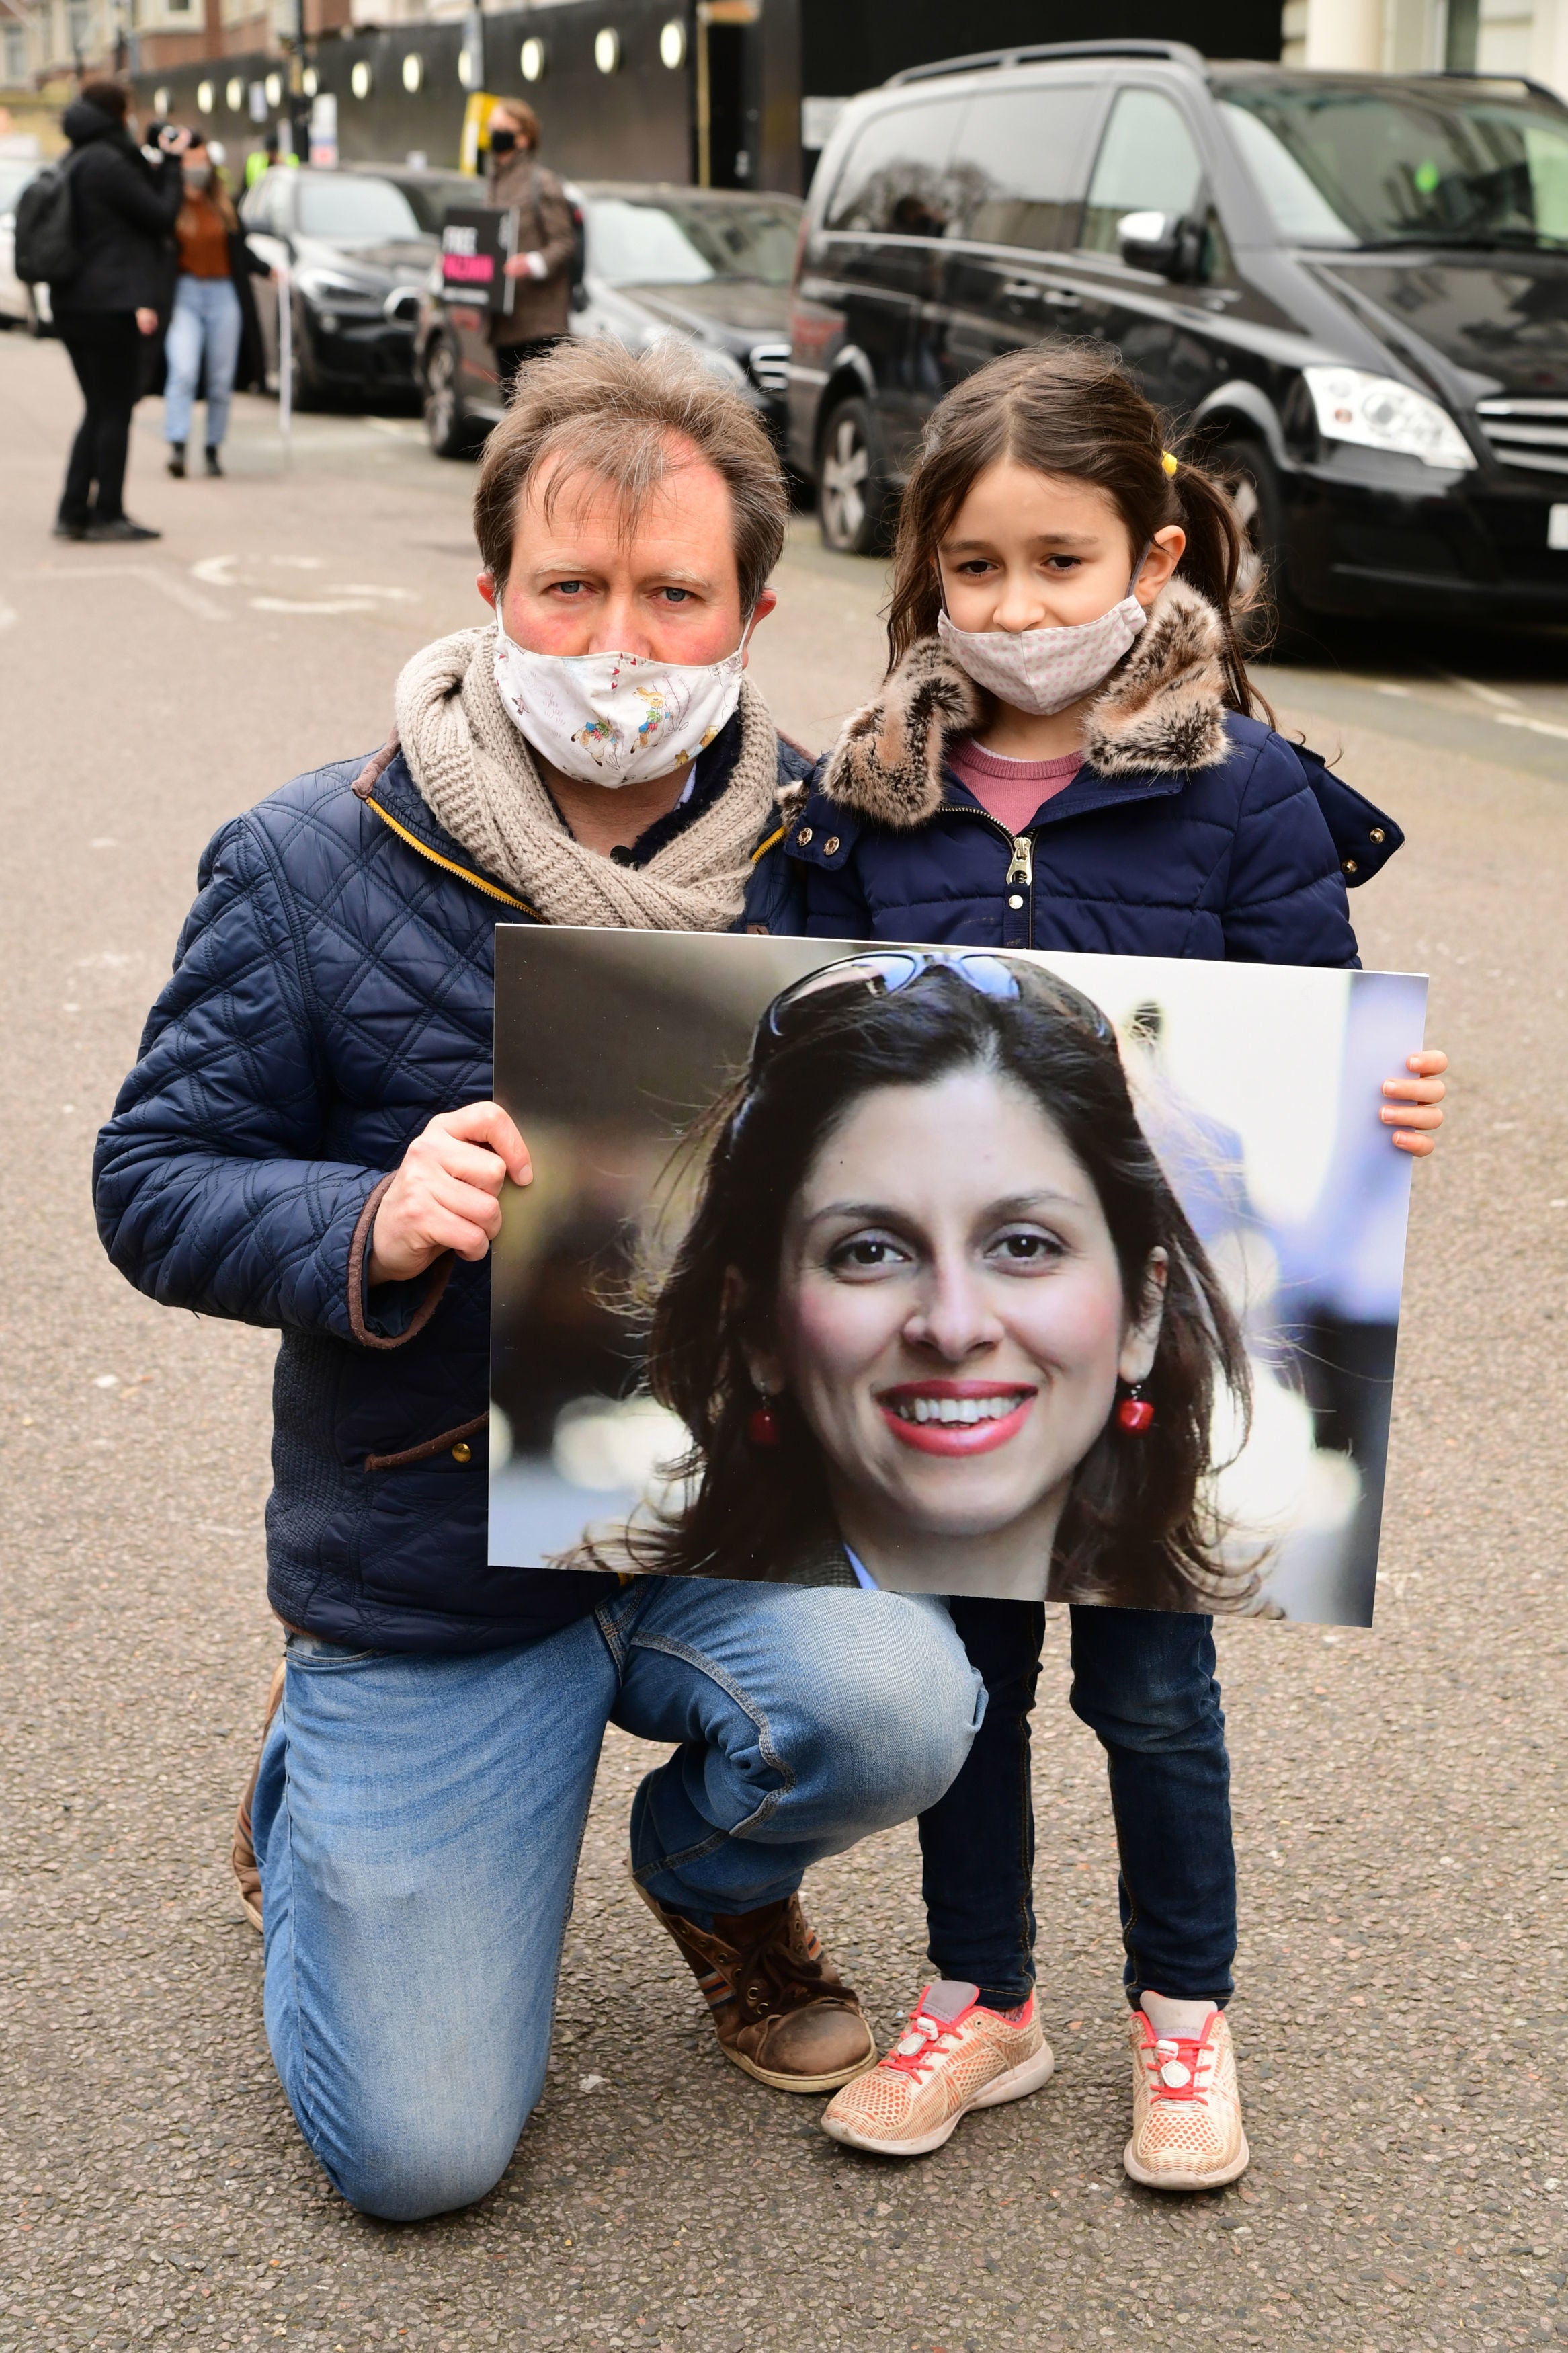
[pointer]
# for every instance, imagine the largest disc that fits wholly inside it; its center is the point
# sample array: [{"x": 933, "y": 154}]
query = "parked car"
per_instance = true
[
  {"x": 711, "y": 265},
  {"x": 359, "y": 243},
  {"x": 20, "y": 306},
  {"x": 1349, "y": 292}
]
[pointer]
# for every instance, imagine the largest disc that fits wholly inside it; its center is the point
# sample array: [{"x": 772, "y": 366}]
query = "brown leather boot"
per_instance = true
[
  {"x": 242, "y": 1854},
  {"x": 780, "y": 2010}
]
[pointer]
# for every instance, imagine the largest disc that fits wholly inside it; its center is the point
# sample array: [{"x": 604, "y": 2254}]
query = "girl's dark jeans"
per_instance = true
[{"x": 1143, "y": 1681}]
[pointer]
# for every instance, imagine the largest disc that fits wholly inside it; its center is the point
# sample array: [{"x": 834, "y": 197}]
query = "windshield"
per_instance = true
[
  {"x": 1462, "y": 165},
  {"x": 14, "y": 178},
  {"x": 431, "y": 199},
  {"x": 354, "y": 207},
  {"x": 636, "y": 244}
]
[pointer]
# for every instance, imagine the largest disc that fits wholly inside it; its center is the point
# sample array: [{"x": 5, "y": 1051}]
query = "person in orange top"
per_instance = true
[{"x": 208, "y": 319}]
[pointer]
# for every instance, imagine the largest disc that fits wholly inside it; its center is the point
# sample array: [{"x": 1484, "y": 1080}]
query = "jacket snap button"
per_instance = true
[
  {"x": 1377, "y": 833},
  {"x": 1350, "y": 866},
  {"x": 830, "y": 845},
  {"x": 1014, "y": 899},
  {"x": 462, "y": 1452},
  {"x": 805, "y": 835}
]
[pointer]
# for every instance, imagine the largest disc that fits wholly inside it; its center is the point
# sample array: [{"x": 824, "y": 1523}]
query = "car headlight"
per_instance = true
[
  {"x": 1380, "y": 414},
  {"x": 321, "y": 286}
]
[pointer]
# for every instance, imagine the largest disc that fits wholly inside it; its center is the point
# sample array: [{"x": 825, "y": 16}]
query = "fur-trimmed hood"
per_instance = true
[{"x": 1162, "y": 711}]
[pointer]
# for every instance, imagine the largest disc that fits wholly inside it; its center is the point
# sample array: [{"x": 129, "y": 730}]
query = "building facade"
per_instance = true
[
  {"x": 1528, "y": 38},
  {"x": 726, "y": 92}
]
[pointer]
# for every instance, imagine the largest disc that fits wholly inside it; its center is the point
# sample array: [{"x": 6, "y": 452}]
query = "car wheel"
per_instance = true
[
  {"x": 1271, "y": 613},
  {"x": 448, "y": 425},
  {"x": 854, "y": 494}
]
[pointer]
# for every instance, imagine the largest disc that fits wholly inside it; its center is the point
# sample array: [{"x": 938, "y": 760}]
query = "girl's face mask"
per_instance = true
[
  {"x": 1043, "y": 670},
  {"x": 616, "y": 719},
  {"x": 198, "y": 175}
]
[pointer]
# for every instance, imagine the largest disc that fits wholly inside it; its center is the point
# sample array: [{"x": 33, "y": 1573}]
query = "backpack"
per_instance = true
[{"x": 46, "y": 247}]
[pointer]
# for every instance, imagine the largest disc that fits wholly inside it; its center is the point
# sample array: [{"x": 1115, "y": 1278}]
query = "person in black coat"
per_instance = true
[{"x": 123, "y": 212}]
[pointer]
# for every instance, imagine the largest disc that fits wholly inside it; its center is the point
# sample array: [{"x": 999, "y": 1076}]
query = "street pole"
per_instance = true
[{"x": 285, "y": 362}]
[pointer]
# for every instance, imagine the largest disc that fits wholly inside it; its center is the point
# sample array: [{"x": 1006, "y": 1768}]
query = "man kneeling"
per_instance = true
[{"x": 308, "y": 1142}]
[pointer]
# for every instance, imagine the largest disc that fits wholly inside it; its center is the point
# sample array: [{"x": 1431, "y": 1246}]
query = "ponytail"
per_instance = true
[{"x": 1210, "y": 562}]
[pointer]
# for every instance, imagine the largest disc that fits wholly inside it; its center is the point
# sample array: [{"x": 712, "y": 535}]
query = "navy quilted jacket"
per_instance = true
[
  {"x": 1189, "y": 832},
  {"x": 331, "y": 992}
]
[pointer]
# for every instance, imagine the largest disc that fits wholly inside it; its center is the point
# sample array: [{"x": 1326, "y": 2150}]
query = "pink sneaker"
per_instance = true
[
  {"x": 1186, "y": 2108},
  {"x": 952, "y": 2056}
]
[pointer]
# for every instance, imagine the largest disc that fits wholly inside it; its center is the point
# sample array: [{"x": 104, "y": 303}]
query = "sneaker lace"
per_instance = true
[
  {"x": 924, "y": 2042},
  {"x": 1178, "y": 2067}
]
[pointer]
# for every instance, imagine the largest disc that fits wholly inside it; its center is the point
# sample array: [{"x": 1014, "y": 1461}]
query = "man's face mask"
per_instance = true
[
  {"x": 503, "y": 141},
  {"x": 616, "y": 719}
]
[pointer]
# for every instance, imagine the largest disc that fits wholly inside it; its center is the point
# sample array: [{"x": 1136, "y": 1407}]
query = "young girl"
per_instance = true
[{"x": 1068, "y": 754}]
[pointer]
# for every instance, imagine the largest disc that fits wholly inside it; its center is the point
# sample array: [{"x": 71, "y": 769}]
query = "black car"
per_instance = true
[
  {"x": 1350, "y": 290},
  {"x": 359, "y": 243},
  {"x": 708, "y": 264}
]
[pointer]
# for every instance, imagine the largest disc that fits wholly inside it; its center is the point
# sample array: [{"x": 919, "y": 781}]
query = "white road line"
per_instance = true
[
  {"x": 1536, "y": 726},
  {"x": 178, "y": 591},
  {"x": 1491, "y": 694}
]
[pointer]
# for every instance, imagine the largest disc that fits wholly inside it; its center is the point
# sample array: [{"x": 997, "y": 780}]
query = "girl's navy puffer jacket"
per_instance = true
[
  {"x": 1189, "y": 832},
  {"x": 331, "y": 992}
]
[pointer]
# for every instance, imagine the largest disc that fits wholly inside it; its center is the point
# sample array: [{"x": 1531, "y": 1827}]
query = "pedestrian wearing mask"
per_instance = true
[
  {"x": 123, "y": 208},
  {"x": 540, "y": 267},
  {"x": 211, "y": 299},
  {"x": 1068, "y": 754}
]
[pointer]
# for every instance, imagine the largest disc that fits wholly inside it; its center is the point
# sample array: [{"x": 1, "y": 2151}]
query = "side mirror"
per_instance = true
[{"x": 1150, "y": 241}]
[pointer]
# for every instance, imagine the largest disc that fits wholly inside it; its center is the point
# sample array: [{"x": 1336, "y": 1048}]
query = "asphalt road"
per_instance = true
[{"x": 1403, "y": 2013}]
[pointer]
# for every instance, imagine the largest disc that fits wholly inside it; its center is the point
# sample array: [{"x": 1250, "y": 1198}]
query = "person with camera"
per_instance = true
[
  {"x": 124, "y": 206},
  {"x": 540, "y": 267}
]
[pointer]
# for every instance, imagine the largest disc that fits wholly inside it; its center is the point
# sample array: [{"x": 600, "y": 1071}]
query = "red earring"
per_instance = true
[
  {"x": 762, "y": 1424},
  {"x": 1135, "y": 1413}
]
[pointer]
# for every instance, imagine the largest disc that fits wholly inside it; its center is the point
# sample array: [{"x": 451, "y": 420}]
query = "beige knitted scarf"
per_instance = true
[{"x": 479, "y": 778}]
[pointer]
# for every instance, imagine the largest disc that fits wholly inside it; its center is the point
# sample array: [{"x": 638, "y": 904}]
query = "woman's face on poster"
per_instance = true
[{"x": 949, "y": 1317}]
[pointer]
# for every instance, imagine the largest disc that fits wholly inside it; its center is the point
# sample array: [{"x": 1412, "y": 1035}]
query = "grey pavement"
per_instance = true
[{"x": 1403, "y": 2012}]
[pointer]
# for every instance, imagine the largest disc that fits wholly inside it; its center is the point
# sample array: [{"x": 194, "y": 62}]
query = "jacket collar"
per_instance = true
[
  {"x": 1161, "y": 712},
  {"x": 385, "y": 784}
]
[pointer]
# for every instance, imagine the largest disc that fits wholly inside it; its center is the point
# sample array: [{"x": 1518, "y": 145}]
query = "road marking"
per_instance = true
[
  {"x": 1491, "y": 694},
  {"x": 177, "y": 590},
  {"x": 296, "y": 605},
  {"x": 351, "y": 596},
  {"x": 1536, "y": 726}
]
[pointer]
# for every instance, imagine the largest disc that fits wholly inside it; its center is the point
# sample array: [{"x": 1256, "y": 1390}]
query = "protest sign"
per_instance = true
[
  {"x": 477, "y": 242},
  {"x": 1041, "y": 1275}
]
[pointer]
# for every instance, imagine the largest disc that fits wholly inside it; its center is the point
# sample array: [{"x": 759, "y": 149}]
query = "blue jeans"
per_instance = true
[
  {"x": 417, "y": 1821},
  {"x": 206, "y": 316},
  {"x": 1143, "y": 1681}
]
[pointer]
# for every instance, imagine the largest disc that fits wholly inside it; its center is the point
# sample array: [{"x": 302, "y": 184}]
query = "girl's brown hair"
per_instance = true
[{"x": 1067, "y": 410}]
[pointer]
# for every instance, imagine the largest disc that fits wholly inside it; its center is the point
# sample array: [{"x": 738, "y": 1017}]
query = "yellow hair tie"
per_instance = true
[{"x": 1169, "y": 462}]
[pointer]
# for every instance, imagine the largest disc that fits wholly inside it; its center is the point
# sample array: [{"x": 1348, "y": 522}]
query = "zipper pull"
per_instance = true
[{"x": 1022, "y": 869}]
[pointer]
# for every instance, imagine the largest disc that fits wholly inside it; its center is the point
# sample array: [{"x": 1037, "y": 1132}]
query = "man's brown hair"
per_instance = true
[{"x": 596, "y": 408}]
